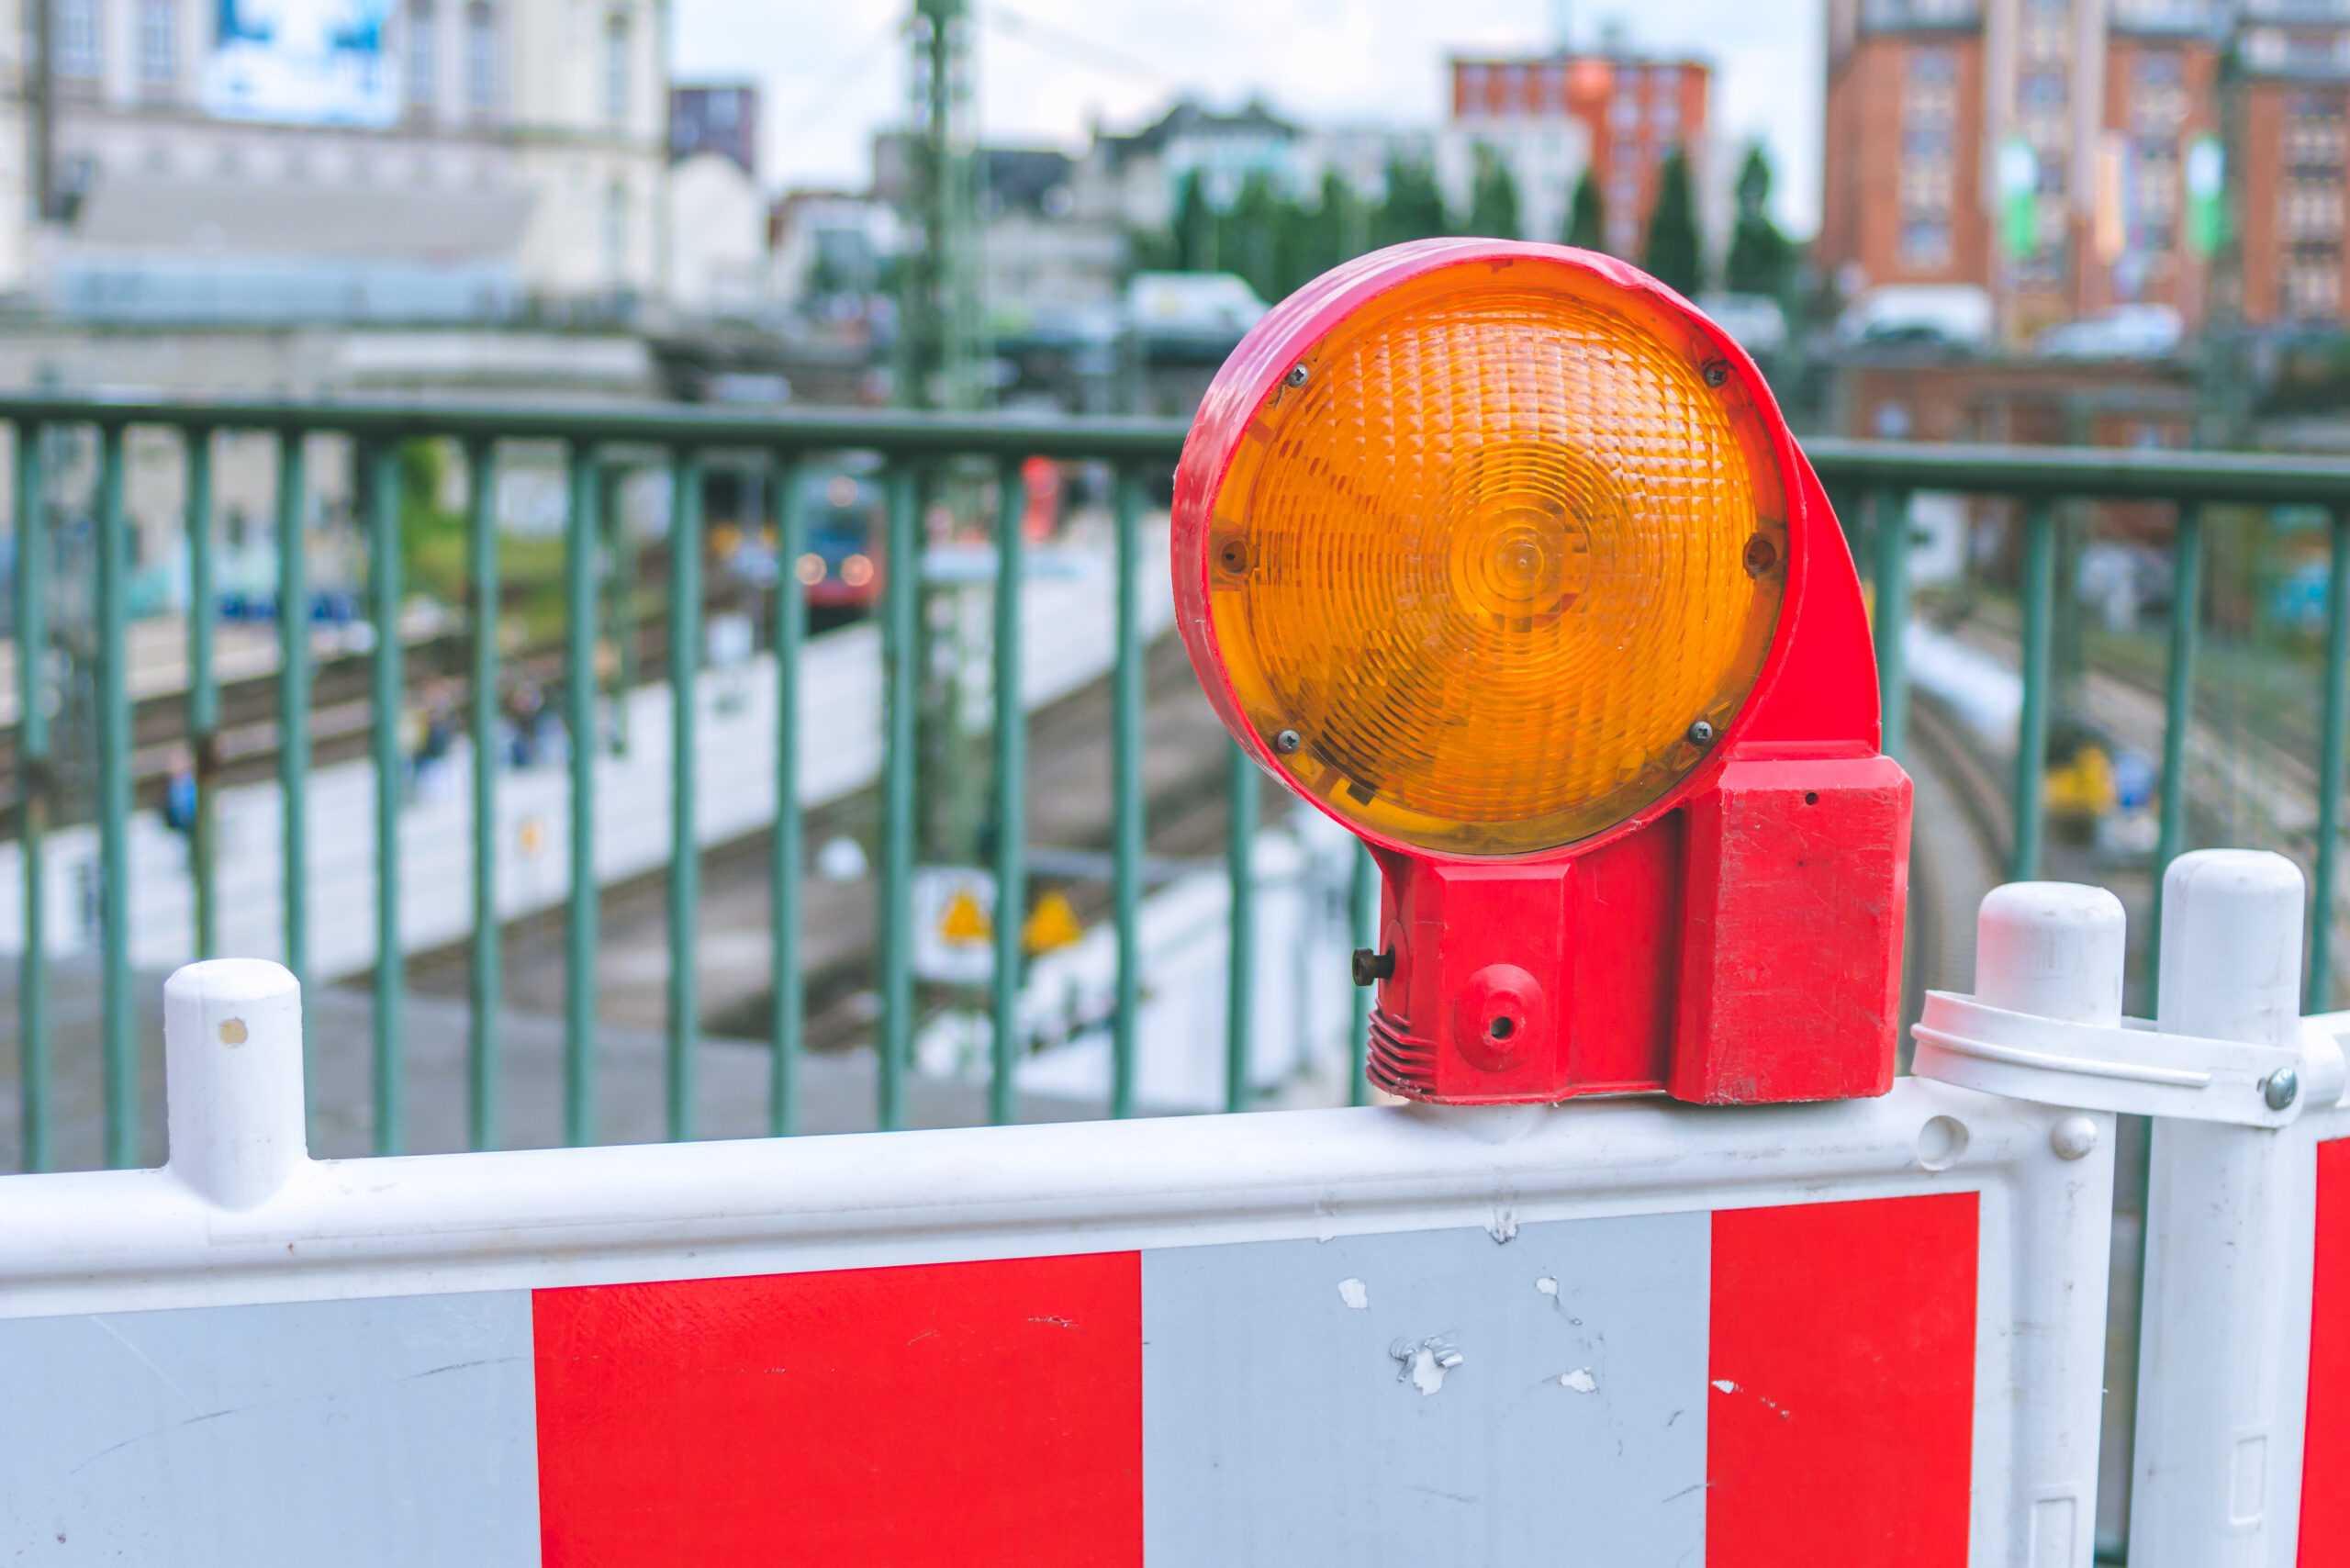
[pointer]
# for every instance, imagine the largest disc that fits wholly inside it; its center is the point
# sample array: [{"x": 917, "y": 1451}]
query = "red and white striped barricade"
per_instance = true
[
  {"x": 1626, "y": 1331},
  {"x": 2242, "y": 1434}
]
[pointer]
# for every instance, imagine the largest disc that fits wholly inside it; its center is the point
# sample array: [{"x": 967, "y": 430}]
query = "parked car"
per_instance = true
[{"x": 2127, "y": 331}]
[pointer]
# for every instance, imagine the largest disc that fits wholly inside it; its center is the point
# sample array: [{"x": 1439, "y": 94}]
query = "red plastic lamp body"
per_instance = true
[{"x": 1738, "y": 940}]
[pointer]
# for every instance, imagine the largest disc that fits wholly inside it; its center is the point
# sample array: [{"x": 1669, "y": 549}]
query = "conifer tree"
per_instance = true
[
  {"x": 1587, "y": 214},
  {"x": 1674, "y": 255},
  {"x": 1414, "y": 207},
  {"x": 1758, "y": 255},
  {"x": 1492, "y": 199}
]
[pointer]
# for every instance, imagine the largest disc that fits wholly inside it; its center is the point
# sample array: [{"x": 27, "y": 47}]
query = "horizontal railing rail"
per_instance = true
[
  {"x": 1867, "y": 478},
  {"x": 896, "y": 433}
]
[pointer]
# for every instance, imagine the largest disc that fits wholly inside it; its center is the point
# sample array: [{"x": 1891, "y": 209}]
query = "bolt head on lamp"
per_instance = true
[{"x": 1501, "y": 555}]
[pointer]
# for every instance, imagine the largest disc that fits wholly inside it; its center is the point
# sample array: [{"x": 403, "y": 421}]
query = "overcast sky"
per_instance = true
[{"x": 834, "y": 70}]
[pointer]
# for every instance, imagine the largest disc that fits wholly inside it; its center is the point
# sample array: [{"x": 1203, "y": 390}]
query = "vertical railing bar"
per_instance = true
[
  {"x": 620, "y": 594},
  {"x": 2178, "y": 718},
  {"x": 2038, "y": 596},
  {"x": 203, "y": 695},
  {"x": 2329, "y": 765},
  {"x": 380, "y": 472},
  {"x": 1362, "y": 914},
  {"x": 484, "y": 1068},
  {"x": 580, "y": 544},
  {"x": 1011, "y": 793},
  {"x": 118, "y": 1008},
  {"x": 786, "y": 1021},
  {"x": 33, "y": 769},
  {"x": 685, "y": 843},
  {"x": 293, "y": 700},
  {"x": 1892, "y": 517},
  {"x": 900, "y": 592},
  {"x": 1239, "y": 853},
  {"x": 1127, "y": 826}
]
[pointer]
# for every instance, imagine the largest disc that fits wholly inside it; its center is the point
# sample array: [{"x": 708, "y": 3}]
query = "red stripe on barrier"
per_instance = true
[
  {"x": 963, "y": 1413},
  {"x": 2325, "y": 1448},
  {"x": 1841, "y": 1422}
]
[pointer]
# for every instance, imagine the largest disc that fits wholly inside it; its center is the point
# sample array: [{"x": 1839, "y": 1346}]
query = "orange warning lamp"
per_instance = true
[{"x": 1501, "y": 556}]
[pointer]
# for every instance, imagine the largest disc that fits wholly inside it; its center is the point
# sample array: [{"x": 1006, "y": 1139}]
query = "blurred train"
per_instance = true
[
  {"x": 840, "y": 508},
  {"x": 843, "y": 561}
]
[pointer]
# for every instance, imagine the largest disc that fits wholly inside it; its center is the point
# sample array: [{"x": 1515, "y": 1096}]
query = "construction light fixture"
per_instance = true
[{"x": 1501, "y": 556}]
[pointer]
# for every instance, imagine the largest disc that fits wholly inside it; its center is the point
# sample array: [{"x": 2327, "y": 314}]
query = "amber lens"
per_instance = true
[{"x": 1508, "y": 534}]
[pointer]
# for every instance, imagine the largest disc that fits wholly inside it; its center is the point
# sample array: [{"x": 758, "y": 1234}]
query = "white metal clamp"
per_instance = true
[
  {"x": 2047, "y": 1023},
  {"x": 2131, "y": 1065}
]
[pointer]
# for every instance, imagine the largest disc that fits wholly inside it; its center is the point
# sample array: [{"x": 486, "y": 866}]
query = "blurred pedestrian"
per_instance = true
[
  {"x": 525, "y": 714},
  {"x": 179, "y": 792}
]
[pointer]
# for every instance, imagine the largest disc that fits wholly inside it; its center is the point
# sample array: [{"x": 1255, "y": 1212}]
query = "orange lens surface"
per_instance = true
[{"x": 1495, "y": 555}]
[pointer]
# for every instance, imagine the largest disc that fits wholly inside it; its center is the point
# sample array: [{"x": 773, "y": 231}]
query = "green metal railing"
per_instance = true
[
  {"x": 1879, "y": 478},
  {"x": 1866, "y": 477},
  {"x": 911, "y": 447}
]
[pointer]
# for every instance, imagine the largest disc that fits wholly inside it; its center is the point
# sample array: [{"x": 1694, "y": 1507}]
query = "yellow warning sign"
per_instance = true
[
  {"x": 964, "y": 920},
  {"x": 1052, "y": 924}
]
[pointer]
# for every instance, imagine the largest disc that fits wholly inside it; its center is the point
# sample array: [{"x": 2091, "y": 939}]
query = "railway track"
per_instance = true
[{"x": 246, "y": 744}]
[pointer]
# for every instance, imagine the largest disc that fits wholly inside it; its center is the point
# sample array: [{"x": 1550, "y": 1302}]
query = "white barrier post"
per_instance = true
[
  {"x": 2055, "y": 950},
  {"x": 2224, "y": 1344},
  {"x": 232, "y": 1074}
]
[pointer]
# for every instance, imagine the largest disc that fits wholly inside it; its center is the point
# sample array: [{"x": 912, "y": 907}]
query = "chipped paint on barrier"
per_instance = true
[
  {"x": 1423, "y": 1364},
  {"x": 1580, "y": 1379},
  {"x": 1355, "y": 1295}
]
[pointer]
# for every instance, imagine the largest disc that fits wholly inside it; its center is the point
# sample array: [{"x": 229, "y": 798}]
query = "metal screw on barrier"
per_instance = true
[
  {"x": 1371, "y": 967},
  {"x": 1287, "y": 741},
  {"x": 1296, "y": 376},
  {"x": 1701, "y": 733},
  {"x": 1716, "y": 373},
  {"x": 2280, "y": 1087}
]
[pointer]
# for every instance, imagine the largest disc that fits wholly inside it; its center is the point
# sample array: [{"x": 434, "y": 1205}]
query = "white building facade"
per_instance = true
[{"x": 402, "y": 157}]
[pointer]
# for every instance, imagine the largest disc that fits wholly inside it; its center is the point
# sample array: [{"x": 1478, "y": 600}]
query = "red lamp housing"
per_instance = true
[{"x": 1501, "y": 556}]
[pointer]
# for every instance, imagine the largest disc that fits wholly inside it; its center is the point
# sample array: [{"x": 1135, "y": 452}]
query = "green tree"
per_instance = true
[
  {"x": 1492, "y": 197},
  {"x": 1674, "y": 255},
  {"x": 1195, "y": 227},
  {"x": 1587, "y": 214},
  {"x": 1414, "y": 207},
  {"x": 1336, "y": 230},
  {"x": 1253, "y": 231},
  {"x": 432, "y": 537},
  {"x": 1759, "y": 255}
]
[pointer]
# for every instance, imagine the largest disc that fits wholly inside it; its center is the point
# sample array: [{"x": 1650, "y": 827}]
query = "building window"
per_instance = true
[
  {"x": 158, "y": 42},
  {"x": 1928, "y": 180},
  {"x": 2309, "y": 207},
  {"x": 422, "y": 85},
  {"x": 481, "y": 58},
  {"x": 616, "y": 233},
  {"x": 78, "y": 54},
  {"x": 616, "y": 73},
  {"x": 2044, "y": 120},
  {"x": 2157, "y": 116}
]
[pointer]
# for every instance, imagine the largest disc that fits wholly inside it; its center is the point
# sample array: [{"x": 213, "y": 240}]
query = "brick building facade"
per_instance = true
[
  {"x": 2073, "y": 156},
  {"x": 1628, "y": 111}
]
